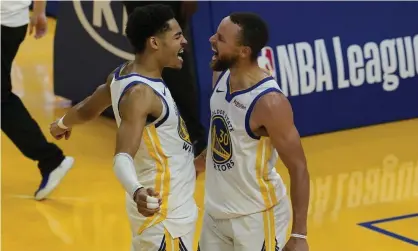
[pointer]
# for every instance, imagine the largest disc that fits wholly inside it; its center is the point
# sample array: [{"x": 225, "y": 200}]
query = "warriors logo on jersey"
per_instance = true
[
  {"x": 221, "y": 143},
  {"x": 182, "y": 129},
  {"x": 183, "y": 133}
]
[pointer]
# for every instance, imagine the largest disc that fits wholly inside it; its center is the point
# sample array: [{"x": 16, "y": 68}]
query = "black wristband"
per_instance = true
[{"x": 136, "y": 191}]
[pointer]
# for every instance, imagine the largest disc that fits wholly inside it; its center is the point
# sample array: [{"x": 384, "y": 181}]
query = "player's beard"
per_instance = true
[{"x": 222, "y": 64}]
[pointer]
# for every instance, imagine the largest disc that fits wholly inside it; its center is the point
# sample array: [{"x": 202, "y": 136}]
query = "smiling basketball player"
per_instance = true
[
  {"x": 247, "y": 208},
  {"x": 153, "y": 158}
]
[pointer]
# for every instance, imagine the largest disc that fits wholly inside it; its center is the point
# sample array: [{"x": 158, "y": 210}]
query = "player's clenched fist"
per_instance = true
[
  {"x": 147, "y": 201},
  {"x": 58, "y": 132}
]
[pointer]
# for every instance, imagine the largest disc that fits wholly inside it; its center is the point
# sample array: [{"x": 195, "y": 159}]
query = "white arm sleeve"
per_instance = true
[{"x": 124, "y": 168}]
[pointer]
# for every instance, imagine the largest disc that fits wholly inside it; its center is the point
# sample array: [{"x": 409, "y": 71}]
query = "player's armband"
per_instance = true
[{"x": 124, "y": 168}]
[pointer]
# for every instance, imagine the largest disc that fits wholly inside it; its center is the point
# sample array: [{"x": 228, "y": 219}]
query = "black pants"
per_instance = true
[
  {"x": 181, "y": 83},
  {"x": 16, "y": 122}
]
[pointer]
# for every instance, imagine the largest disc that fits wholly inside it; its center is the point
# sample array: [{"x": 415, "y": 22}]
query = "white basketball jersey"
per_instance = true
[
  {"x": 241, "y": 178},
  {"x": 165, "y": 157}
]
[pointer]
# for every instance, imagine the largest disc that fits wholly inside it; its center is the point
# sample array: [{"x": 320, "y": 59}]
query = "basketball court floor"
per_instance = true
[{"x": 364, "y": 181}]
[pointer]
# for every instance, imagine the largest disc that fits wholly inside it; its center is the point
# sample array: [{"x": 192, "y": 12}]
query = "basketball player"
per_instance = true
[
  {"x": 251, "y": 124},
  {"x": 154, "y": 157},
  {"x": 182, "y": 83}
]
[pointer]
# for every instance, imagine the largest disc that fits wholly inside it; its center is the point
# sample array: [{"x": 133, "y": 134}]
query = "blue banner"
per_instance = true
[
  {"x": 89, "y": 44},
  {"x": 342, "y": 65}
]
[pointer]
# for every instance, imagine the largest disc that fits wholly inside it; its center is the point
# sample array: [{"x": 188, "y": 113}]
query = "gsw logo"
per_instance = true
[{"x": 266, "y": 60}]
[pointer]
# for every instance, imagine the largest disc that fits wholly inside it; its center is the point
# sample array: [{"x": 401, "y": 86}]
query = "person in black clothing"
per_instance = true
[
  {"x": 17, "y": 123},
  {"x": 181, "y": 83}
]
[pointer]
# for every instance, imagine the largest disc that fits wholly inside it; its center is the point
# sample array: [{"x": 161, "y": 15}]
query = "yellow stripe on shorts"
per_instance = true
[
  {"x": 267, "y": 192},
  {"x": 171, "y": 244}
]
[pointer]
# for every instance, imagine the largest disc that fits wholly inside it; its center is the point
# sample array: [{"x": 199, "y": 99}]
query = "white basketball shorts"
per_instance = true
[{"x": 264, "y": 231}]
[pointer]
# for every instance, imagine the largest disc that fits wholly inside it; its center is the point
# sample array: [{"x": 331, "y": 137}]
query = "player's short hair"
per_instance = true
[
  {"x": 254, "y": 31},
  {"x": 147, "y": 21}
]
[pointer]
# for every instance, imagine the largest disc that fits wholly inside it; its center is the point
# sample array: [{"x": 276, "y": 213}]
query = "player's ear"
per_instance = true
[
  {"x": 154, "y": 43},
  {"x": 245, "y": 51}
]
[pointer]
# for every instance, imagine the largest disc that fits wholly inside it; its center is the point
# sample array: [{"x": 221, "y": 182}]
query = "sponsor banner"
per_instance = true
[{"x": 342, "y": 65}]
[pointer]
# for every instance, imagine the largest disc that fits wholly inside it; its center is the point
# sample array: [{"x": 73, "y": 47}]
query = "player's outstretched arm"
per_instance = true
[
  {"x": 135, "y": 106},
  {"x": 273, "y": 112},
  {"x": 88, "y": 109}
]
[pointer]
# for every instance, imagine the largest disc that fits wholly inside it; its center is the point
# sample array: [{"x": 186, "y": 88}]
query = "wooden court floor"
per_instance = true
[{"x": 364, "y": 181}]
